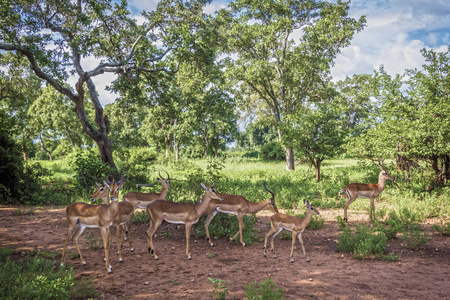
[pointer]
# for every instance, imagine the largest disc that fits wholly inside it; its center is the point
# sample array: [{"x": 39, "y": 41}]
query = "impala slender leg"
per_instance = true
[
  {"x": 293, "y": 244},
  {"x": 241, "y": 227},
  {"x": 106, "y": 243},
  {"x": 272, "y": 248},
  {"x": 188, "y": 227},
  {"x": 372, "y": 208},
  {"x": 119, "y": 241},
  {"x": 207, "y": 222},
  {"x": 128, "y": 233},
  {"x": 268, "y": 235},
  {"x": 75, "y": 238},
  {"x": 69, "y": 230},
  {"x": 303, "y": 247},
  {"x": 150, "y": 232},
  {"x": 346, "y": 205}
]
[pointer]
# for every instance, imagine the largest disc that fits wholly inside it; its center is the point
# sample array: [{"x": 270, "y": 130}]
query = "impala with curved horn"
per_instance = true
[
  {"x": 239, "y": 206},
  {"x": 366, "y": 190},
  {"x": 296, "y": 225},
  {"x": 141, "y": 200},
  {"x": 101, "y": 216},
  {"x": 178, "y": 213}
]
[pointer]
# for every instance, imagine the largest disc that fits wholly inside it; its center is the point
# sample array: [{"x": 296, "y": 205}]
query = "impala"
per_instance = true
[
  {"x": 366, "y": 190},
  {"x": 178, "y": 213},
  {"x": 123, "y": 219},
  {"x": 239, "y": 206},
  {"x": 296, "y": 225},
  {"x": 141, "y": 200},
  {"x": 100, "y": 216}
]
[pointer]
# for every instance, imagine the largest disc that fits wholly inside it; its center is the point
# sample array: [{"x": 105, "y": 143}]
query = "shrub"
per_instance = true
[
  {"x": 89, "y": 169},
  {"x": 273, "y": 151},
  {"x": 364, "y": 243},
  {"x": 267, "y": 290}
]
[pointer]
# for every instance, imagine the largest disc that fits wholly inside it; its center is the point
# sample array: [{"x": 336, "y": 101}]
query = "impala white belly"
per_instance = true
[
  {"x": 226, "y": 212},
  {"x": 173, "y": 222}
]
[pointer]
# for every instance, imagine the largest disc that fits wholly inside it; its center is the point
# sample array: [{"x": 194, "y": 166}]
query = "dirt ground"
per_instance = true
[{"x": 331, "y": 274}]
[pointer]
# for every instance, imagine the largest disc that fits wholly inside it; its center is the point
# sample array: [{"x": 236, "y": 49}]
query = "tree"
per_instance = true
[
  {"x": 412, "y": 123},
  {"x": 283, "y": 52},
  {"x": 317, "y": 129},
  {"x": 19, "y": 88},
  {"x": 58, "y": 37}
]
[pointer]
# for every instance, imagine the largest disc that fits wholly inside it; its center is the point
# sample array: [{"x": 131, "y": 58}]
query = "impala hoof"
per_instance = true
[
  {"x": 132, "y": 250},
  {"x": 274, "y": 256},
  {"x": 83, "y": 263},
  {"x": 308, "y": 260},
  {"x": 292, "y": 260},
  {"x": 120, "y": 260}
]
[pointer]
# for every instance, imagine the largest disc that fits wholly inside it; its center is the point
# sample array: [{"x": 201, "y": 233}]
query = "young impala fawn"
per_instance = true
[{"x": 296, "y": 225}]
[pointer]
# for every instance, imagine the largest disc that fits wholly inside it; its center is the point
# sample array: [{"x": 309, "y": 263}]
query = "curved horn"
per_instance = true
[
  {"x": 273, "y": 195},
  {"x": 107, "y": 178},
  {"x": 123, "y": 177},
  {"x": 163, "y": 177}
]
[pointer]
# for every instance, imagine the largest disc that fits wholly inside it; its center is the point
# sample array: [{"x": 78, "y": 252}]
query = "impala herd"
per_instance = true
[{"x": 82, "y": 215}]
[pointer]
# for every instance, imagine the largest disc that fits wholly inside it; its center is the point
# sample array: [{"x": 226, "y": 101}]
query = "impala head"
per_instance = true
[
  {"x": 384, "y": 173},
  {"x": 272, "y": 206},
  {"x": 212, "y": 192},
  {"x": 101, "y": 192},
  {"x": 310, "y": 209},
  {"x": 114, "y": 187},
  {"x": 164, "y": 181}
]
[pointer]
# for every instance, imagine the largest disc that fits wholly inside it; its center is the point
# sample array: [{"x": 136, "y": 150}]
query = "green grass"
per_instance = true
[{"x": 243, "y": 176}]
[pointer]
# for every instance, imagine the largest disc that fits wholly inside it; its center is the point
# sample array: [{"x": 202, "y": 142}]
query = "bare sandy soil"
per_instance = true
[{"x": 331, "y": 274}]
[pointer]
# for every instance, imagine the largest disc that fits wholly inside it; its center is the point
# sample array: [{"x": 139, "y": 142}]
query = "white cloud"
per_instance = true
[{"x": 396, "y": 32}]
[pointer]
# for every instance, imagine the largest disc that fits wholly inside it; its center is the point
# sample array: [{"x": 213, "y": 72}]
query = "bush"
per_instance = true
[
  {"x": 267, "y": 290},
  {"x": 220, "y": 290},
  {"x": 137, "y": 163},
  {"x": 250, "y": 154},
  {"x": 89, "y": 169},
  {"x": 364, "y": 243},
  {"x": 273, "y": 151}
]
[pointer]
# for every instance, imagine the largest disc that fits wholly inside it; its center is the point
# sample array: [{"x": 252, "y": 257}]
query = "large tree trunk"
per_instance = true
[
  {"x": 104, "y": 145},
  {"x": 290, "y": 159},
  {"x": 317, "y": 166}
]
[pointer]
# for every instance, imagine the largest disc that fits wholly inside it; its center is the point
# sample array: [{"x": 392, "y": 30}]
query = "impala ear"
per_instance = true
[
  {"x": 203, "y": 185},
  {"x": 98, "y": 184}
]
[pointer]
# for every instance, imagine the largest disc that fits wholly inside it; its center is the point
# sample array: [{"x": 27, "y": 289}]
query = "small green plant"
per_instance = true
[
  {"x": 342, "y": 224},
  {"x": 85, "y": 289},
  {"x": 92, "y": 241},
  {"x": 165, "y": 233},
  {"x": 20, "y": 212},
  {"x": 220, "y": 290},
  {"x": 173, "y": 282},
  {"x": 266, "y": 290},
  {"x": 140, "y": 217},
  {"x": 443, "y": 229},
  {"x": 414, "y": 237}
]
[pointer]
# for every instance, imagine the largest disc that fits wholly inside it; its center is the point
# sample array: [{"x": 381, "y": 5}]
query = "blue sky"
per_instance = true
[{"x": 396, "y": 31}]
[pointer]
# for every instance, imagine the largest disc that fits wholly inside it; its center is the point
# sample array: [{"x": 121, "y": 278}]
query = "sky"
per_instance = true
[{"x": 395, "y": 32}]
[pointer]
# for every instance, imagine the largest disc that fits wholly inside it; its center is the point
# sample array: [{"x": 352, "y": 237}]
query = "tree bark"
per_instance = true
[{"x": 290, "y": 159}]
